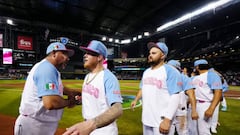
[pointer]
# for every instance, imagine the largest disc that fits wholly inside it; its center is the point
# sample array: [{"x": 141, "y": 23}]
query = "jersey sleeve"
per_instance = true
[
  {"x": 225, "y": 86},
  {"x": 187, "y": 82},
  {"x": 174, "y": 81},
  {"x": 112, "y": 88},
  {"x": 214, "y": 81},
  {"x": 46, "y": 80}
]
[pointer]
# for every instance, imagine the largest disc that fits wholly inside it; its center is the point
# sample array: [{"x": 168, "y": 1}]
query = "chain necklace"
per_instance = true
[{"x": 94, "y": 76}]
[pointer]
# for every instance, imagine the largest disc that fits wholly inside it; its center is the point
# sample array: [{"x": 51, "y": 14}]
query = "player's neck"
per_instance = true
[
  {"x": 97, "y": 69},
  {"x": 157, "y": 65},
  {"x": 202, "y": 71}
]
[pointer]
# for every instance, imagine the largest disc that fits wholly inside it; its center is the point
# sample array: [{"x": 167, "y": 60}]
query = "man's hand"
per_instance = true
[
  {"x": 133, "y": 104},
  {"x": 194, "y": 115},
  {"x": 81, "y": 128},
  {"x": 208, "y": 113},
  {"x": 74, "y": 98},
  {"x": 165, "y": 126}
]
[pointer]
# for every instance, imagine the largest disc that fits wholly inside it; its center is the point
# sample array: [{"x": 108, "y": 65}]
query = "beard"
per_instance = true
[
  {"x": 153, "y": 62},
  {"x": 196, "y": 72}
]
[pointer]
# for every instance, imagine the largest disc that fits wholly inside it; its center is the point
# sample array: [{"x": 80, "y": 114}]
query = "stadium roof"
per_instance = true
[{"x": 118, "y": 19}]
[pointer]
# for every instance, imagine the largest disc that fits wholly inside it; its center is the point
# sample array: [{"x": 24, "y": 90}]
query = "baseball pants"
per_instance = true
[
  {"x": 25, "y": 125},
  {"x": 203, "y": 124},
  {"x": 180, "y": 123}
]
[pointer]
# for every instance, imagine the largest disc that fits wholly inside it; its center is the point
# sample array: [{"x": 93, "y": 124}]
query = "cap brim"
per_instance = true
[
  {"x": 70, "y": 52},
  {"x": 151, "y": 45},
  {"x": 85, "y": 49}
]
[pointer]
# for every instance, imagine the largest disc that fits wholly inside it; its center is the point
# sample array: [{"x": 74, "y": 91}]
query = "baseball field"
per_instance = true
[{"x": 129, "y": 123}]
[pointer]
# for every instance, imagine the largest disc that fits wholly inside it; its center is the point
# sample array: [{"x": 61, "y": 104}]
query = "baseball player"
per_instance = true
[
  {"x": 214, "y": 119},
  {"x": 208, "y": 90},
  {"x": 159, "y": 89},
  {"x": 180, "y": 120},
  {"x": 42, "y": 100},
  {"x": 101, "y": 97}
]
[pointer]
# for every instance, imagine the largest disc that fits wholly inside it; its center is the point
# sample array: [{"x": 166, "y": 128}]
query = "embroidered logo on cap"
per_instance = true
[{"x": 55, "y": 47}]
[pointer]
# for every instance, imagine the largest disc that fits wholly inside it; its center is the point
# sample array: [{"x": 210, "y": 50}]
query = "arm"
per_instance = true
[
  {"x": 86, "y": 127},
  {"x": 134, "y": 102},
  {"x": 109, "y": 116},
  {"x": 73, "y": 95},
  {"x": 192, "y": 100},
  {"x": 171, "y": 110},
  {"x": 55, "y": 102},
  {"x": 68, "y": 91},
  {"x": 216, "y": 99}
]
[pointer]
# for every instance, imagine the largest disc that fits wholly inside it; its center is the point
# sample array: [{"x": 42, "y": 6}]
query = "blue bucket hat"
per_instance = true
[
  {"x": 57, "y": 46},
  {"x": 175, "y": 63},
  {"x": 96, "y": 47},
  {"x": 162, "y": 46},
  {"x": 200, "y": 61}
]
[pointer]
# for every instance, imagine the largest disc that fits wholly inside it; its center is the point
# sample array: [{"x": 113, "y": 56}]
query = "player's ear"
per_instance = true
[
  {"x": 100, "y": 58},
  {"x": 163, "y": 56},
  {"x": 53, "y": 54}
]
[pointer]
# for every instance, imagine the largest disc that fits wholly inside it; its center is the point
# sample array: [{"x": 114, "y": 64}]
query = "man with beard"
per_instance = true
[
  {"x": 101, "y": 97},
  {"x": 42, "y": 100},
  {"x": 208, "y": 91},
  {"x": 159, "y": 89}
]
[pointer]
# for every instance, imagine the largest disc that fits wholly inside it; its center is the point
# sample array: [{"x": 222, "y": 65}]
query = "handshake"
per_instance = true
[{"x": 74, "y": 98}]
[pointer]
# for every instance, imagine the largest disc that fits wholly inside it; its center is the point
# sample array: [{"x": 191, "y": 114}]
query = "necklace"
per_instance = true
[{"x": 92, "y": 78}]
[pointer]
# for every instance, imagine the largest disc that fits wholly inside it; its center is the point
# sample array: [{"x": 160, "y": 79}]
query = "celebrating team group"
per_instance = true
[{"x": 172, "y": 101}]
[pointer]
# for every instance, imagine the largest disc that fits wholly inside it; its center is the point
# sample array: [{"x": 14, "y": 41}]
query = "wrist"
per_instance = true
[
  {"x": 67, "y": 101},
  {"x": 94, "y": 123}
]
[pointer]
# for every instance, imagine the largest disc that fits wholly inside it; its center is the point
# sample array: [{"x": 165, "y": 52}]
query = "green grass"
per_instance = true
[
  {"x": 129, "y": 123},
  {"x": 235, "y": 88}
]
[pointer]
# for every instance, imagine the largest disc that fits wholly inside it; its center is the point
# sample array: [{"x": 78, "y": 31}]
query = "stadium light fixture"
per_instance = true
[
  {"x": 146, "y": 34},
  {"x": 104, "y": 38},
  {"x": 187, "y": 16},
  {"x": 126, "y": 41},
  {"x": 110, "y": 39},
  {"x": 9, "y": 21},
  {"x": 116, "y": 40},
  {"x": 139, "y": 36}
]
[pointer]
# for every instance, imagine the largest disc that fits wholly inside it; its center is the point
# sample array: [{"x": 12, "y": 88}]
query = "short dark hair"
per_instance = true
[{"x": 203, "y": 67}]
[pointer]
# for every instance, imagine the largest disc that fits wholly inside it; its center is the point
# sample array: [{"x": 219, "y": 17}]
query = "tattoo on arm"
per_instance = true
[{"x": 114, "y": 112}]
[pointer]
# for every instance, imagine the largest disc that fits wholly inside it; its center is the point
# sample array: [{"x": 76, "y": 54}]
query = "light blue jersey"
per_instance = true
[
  {"x": 157, "y": 87},
  {"x": 40, "y": 84},
  {"x": 99, "y": 91}
]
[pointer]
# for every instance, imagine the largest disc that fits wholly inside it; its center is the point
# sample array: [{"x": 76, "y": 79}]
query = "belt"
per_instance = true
[{"x": 202, "y": 101}]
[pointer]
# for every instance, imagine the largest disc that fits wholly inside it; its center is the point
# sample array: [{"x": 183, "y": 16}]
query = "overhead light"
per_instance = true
[
  {"x": 104, "y": 38},
  {"x": 125, "y": 41},
  {"x": 139, "y": 36},
  {"x": 110, "y": 39},
  {"x": 116, "y": 40},
  {"x": 9, "y": 21},
  {"x": 146, "y": 34},
  {"x": 134, "y": 38},
  {"x": 187, "y": 16}
]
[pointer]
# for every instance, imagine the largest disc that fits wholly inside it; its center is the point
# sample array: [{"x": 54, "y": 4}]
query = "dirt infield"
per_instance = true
[
  {"x": 7, "y": 125},
  {"x": 7, "y": 122}
]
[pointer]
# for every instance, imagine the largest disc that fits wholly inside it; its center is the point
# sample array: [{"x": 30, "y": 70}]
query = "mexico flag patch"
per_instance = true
[{"x": 50, "y": 86}]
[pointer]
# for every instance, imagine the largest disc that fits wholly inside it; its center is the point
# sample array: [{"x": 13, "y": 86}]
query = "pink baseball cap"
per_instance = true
[
  {"x": 96, "y": 47},
  {"x": 162, "y": 46}
]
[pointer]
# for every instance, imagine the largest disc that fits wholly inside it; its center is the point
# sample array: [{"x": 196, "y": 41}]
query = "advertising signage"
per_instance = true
[
  {"x": 25, "y": 43},
  {"x": 7, "y": 56}
]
